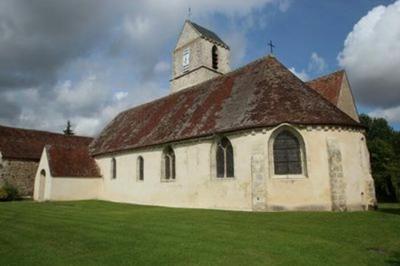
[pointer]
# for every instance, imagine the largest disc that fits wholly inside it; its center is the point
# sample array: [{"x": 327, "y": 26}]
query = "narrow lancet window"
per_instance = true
[
  {"x": 224, "y": 158},
  {"x": 140, "y": 168},
  {"x": 113, "y": 168},
  {"x": 169, "y": 164}
]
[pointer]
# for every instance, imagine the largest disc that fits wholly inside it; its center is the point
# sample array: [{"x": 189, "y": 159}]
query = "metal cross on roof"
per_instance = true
[
  {"x": 189, "y": 12},
  {"x": 271, "y": 46}
]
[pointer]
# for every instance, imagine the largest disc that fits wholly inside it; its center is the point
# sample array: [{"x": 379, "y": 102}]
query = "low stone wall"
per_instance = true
[{"x": 20, "y": 174}]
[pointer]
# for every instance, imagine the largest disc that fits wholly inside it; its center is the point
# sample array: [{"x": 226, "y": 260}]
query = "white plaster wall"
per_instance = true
[
  {"x": 346, "y": 100},
  {"x": 313, "y": 192},
  {"x": 74, "y": 188},
  {"x": 43, "y": 165},
  {"x": 65, "y": 188},
  {"x": 196, "y": 187},
  {"x": 193, "y": 187}
]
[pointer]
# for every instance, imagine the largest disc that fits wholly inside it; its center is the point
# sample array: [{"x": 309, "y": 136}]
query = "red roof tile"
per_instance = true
[
  {"x": 17, "y": 143},
  {"x": 260, "y": 94},
  {"x": 71, "y": 161},
  {"x": 329, "y": 86}
]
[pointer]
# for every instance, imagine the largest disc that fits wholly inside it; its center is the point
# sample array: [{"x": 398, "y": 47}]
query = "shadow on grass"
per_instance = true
[
  {"x": 394, "y": 259},
  {"x": 390, "y": 208}
]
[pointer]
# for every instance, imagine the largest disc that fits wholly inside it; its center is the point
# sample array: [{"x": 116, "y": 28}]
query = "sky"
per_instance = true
[{"x": 87, "y": 60}]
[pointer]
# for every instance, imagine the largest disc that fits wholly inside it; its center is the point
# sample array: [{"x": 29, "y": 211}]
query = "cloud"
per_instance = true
[
  {"x": 284, "y": 5},
  {"x": 301, "y": 75},
  {"x": 390, "y": 114},
  {"x": 317, "y": 63},
  {"x": 9, "y": 111},
  {"x": 83, "y": 97},
  {"x": 121, "y": 95},
  {"x": 238, "y": 46},
  {"x": 88, "y": 60},
  {"x": 162, "y": 67},
  {"x": 36, "y": 38},
  {"x": 371, "y": 56},
  {"x": 316, "y": 66}
]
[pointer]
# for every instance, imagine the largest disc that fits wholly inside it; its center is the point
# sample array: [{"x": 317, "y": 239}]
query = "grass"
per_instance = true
[{"x": 95, "y": 232}]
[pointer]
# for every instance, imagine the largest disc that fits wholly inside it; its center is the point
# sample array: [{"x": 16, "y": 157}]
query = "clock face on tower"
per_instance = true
[{"x": 186, "y": 58}]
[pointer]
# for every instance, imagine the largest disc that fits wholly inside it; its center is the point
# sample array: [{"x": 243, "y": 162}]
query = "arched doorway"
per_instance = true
[{"x": 42, "y": 184}]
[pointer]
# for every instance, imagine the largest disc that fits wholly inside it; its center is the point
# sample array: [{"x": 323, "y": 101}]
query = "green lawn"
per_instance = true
[{"x": 95, "y": 232}]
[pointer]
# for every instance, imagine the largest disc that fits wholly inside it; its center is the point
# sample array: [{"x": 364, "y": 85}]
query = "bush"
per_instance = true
[
  {"x": 3, "y": 194},
  {"x": 8, "y": 192}
]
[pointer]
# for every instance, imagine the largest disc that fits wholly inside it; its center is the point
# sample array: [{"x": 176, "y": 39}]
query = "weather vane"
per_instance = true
[{"x": 271, "y": 46}]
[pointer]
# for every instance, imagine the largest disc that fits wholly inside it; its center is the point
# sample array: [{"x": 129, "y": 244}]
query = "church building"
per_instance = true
[{"x": 256, "y": 139}]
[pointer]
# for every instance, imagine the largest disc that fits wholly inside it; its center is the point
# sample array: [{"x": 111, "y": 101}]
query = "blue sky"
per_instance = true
[
  {"x": 310, "y": 26},
  {"x": 88, "y": 60}
]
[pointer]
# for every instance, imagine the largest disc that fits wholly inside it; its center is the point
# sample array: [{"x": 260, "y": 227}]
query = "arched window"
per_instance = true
[
  {"x": 224, "y": 157},
  {"x": 287, "y": 154},
  {"x": 214, "y": 56},
  {"x": 113, "y": 168},
  {"x": 140, "y": 168},
  {"x": 169, "y": 164}
]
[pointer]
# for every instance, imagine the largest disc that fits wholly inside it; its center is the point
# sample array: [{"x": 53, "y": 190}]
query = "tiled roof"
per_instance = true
[
  {"x": 71, "y": 161},
  {"x": 329, "y": 86},
  {"x": 208, "y": 34},
  {"x": 17, "y": 143},
  {"x": 261, "y": 94}
]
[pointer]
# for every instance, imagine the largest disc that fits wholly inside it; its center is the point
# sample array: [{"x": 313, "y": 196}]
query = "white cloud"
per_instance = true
[
  {"x": 284, "y": 5},
  {"x": 371, "y": 56},
  {"x": 301, "y": 75},
  {"x": 390, "y": 114},
  {"x": 85, "y": 94},
  {"x": 120, "y": 95},
  {"x": 317, "y": 63},
  {"x": 238, "y": 45},
  {"x": 162, "y": 67}
]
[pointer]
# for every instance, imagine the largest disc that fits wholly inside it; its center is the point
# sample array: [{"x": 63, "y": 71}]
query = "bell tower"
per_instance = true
[{"x": 199, "y": 55}]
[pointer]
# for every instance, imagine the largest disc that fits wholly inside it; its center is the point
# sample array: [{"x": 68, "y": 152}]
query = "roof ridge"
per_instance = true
[
  {"x": 43, "y": 131},
  {"x": 199, "y": 85},
  {"x": 342, "y": 70},
  {"x": 206, "y": 33},
  {"x": 314, "y": 91},
  {"x": 325, "y": 99}
]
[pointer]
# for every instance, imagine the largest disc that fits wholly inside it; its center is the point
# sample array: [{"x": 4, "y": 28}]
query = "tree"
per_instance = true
[
  {"x": 384, "y": 146},
  {"x": 68, "y": 129}
]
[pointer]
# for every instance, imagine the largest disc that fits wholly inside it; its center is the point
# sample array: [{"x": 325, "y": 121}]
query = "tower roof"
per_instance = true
[
  {"x": 207, "y": 34},
  {"x": 261, "y": 94}
]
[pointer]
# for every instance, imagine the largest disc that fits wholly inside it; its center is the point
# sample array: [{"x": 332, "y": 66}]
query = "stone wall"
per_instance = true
[
  {"x": 200, "y": 66},
  {"x": 20, "y": 174}
]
